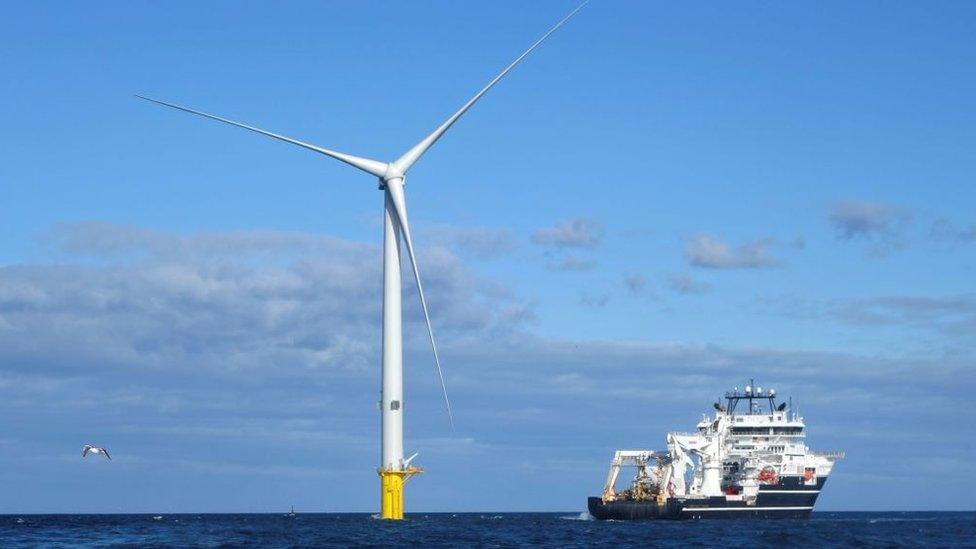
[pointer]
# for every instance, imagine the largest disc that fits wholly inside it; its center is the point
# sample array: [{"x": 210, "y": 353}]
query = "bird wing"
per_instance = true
[
  {"x": 105, "y": 452},
  {"x": 85, "y": 450}
]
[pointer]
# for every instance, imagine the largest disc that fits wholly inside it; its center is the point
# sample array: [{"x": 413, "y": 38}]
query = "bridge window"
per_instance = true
[{"x": 750, "y": 430}]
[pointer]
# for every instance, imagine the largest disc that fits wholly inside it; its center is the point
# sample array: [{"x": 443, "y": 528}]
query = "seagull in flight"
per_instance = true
[{"x": 89, "y": 449}]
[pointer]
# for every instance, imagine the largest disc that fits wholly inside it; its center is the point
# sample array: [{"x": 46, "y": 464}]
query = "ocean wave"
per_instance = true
[
  {"x": 582, "y": 516},
  {"x": 901, "y": 519}
]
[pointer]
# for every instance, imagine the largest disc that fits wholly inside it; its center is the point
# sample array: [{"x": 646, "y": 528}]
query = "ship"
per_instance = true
[{"x": 748, "y": 460}]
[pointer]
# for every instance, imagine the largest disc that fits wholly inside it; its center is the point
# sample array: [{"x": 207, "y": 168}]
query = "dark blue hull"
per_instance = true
[{"x": 790, "y": 498}]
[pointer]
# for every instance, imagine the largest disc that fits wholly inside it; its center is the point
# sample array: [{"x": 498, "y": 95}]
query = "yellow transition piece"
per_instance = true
[{"x": 391, "y": 491}]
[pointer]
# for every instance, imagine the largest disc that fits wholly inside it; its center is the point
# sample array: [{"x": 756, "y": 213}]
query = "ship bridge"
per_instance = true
[
  {"x": 755, "y": 423},
  {"x": 754, "y": 411},
  {"x": 752, "y": 401}
]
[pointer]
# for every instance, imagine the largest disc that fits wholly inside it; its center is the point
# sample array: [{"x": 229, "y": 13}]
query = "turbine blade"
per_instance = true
[
  {"x": 369, "y": 166},
  {"x": 395, "y": 189},
  {"x": 409, "y": 158}
]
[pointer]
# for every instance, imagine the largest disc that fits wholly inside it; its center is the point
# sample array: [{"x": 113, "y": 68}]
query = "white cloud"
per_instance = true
[
  {"x": 635, "y": 282},
  {"x": 172, "y": 346},
  {"x": 685, "y": 284},
  {"x": 862, "y": 219},
  {"x": 475, "y": 242},
  {"x": 595, "y": 301},
  {"x": 571, "y": 262},
  {"x": 710, "y": 251},
  {"x": 951, "y": 316},
  {"x": 954, "y": 315},
  {"x": 572, "y": 233},
  {"x": 945, "y": 229},
  {"x": 225, "y": 301}
]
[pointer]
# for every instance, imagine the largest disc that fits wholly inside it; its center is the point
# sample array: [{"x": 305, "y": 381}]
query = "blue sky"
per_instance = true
[{"x": 662, "y": 202}]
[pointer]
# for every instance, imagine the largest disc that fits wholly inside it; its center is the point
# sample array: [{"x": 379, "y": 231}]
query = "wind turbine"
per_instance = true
[{"x": 394, "y": 470}]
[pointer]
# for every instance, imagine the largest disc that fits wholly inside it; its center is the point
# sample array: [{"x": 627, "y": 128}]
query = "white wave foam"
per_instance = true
[{"x": 900, "y": 519}]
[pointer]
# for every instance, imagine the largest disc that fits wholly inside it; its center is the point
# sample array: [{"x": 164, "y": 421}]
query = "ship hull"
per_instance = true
[{"x": 790, "y": 498}]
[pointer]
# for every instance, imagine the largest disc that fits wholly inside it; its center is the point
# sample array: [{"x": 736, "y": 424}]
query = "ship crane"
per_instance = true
[
  {"x": 706, "y": 450},
  {"x": 639, "y": 459}
]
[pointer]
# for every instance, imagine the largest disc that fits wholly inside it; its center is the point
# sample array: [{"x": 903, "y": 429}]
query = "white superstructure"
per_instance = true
[{"x": 749, "y": 446}]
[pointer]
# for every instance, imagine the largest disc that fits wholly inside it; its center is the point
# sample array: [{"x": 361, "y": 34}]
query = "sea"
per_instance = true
[{"x": 823, "y": 529}]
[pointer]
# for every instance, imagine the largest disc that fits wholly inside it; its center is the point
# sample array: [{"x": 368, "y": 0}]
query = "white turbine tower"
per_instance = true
[{"x": 394, "y": 469}]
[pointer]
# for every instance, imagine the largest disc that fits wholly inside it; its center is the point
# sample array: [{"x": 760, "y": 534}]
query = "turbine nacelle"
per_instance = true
[{"x": 392, "y": 173}]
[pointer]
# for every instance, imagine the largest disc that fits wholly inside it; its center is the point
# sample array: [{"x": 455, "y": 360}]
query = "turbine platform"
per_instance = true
[{"x": 391, "y": 490}]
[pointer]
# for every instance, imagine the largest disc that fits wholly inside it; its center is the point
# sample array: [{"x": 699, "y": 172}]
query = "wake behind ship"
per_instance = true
[{"x": 748, "y": 461}]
